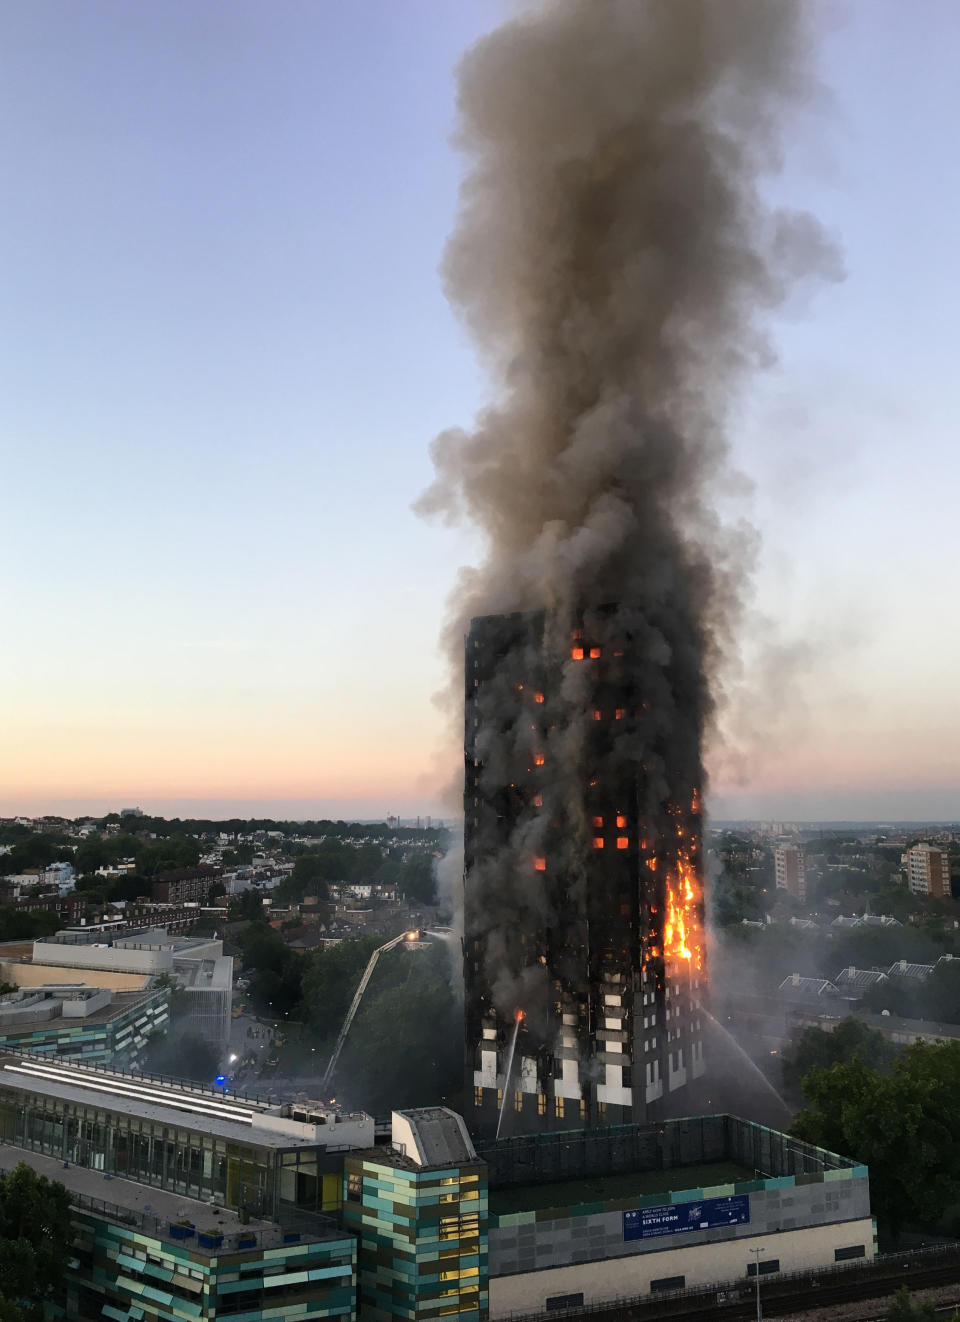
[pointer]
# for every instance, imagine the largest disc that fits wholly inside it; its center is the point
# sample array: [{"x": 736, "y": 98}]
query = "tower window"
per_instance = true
[
  {"x": 540, "y": 864},
  {"x": 538, "y": 759},
  {"x": 597, "y": 715},
  {"x": 621, "y": 821},
  {"x": 623, "y": 842},
  {"x": 538, "y": 697},
  {"x": 620, "y": 713},
  {"x": 598, "y": 821},
  {"x": 595, "y": 653},
  {"x": 598, "y": 842},
  {"x": 576, "y": 653}
]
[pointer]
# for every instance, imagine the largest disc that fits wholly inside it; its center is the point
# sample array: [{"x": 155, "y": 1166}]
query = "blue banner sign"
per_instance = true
[{"x": 646, "y": 1222}]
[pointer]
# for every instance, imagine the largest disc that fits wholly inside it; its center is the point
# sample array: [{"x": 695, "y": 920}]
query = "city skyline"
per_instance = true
[{"x": 227, "y": 350}]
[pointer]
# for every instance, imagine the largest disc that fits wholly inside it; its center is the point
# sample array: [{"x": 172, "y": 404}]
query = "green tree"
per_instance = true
[
  {"x": 902, "y": 1125},
  {"x": 36, "y": 851},
  {"x": 311, "y": 875},
  {"x": 418, "y": 882},
  {"x": 246, "y": 907},
  {"x": 91, "y": 854},
  {"x": 734, "y": 899},
  {"x": 263, "y": 948},
  {"x": 239, "y": 856},
  {"x": 405, "y": 1047},
  {"x": 850, "y": 1040},
  {"x": 26, "y": 925},
  {"x": 276, "y": 972},
  {"x": 11, "y": 1312},
  {"x": 903, "y": 1310},
  {"x": 899, "y": 996},
  {"x": 35, "y": 1238},
  {"x": 167, "y": 855},
  {"x": 330, "y": 978}
]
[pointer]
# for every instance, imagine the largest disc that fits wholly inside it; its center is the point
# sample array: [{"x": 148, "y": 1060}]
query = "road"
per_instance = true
[{"x": 250, "y": 1036}]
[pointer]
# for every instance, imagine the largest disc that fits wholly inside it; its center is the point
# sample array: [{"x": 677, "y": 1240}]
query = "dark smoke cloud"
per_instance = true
[{"x": 615, "y": 261}]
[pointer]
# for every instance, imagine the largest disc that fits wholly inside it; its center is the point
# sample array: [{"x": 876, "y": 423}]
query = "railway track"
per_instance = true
[{"x": 879, "y": 1281}]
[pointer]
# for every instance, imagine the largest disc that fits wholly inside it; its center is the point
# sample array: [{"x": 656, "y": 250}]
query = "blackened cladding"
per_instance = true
[{"x": 581, "y": 821}]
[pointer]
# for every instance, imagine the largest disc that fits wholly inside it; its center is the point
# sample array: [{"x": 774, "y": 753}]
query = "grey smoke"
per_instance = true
[{"x": 615, "y": 262}]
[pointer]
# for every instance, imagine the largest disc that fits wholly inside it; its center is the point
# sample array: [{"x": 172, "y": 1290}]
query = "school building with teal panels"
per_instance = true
[
  {"x": 141, "y": 1254},
  {"x": 113, "y": 1033},
  {"x": 419, "y": 1211}
]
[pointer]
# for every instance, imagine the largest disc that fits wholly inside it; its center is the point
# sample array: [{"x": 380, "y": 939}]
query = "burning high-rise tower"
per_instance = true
[
  {"x": 583, "y": 901},
  {"x": 613, "y": 257}
]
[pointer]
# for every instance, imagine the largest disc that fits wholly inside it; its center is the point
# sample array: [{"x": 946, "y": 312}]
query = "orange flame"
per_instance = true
[{"x": 681, "y": 930}]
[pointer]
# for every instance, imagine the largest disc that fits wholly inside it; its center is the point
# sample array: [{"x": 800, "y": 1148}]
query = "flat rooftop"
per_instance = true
[
  {"x": 203, "y": 974},
  {"x": 229, "y": 1117},
  {"x": 624, "y": 1186},
  {"x": 153, "y": 1210},
  {"x": 121, "y": 1003}
]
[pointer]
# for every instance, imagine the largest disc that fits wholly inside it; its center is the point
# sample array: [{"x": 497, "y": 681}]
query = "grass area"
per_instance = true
[{"x": 603, "y": 1188}]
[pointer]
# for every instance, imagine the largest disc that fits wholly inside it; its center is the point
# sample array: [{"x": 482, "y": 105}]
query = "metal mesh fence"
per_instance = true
[{"x": 619, "y": 1149}]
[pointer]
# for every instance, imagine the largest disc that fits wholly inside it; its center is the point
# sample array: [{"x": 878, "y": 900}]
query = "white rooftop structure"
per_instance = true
[
  {"x": 796, "y": 985},
  {"x": 432, "y": 1136},
  {"x": 860, "y": 979},
  {"x": 149, "y": 952},
  {"x": 197, "y": 964},
  {"x": 903, "y": 969}
]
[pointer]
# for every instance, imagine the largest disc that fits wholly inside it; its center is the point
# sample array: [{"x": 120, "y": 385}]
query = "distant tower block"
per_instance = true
[
  {"x": 928, "y": 870},
  {"x": 789, "y": 870}
]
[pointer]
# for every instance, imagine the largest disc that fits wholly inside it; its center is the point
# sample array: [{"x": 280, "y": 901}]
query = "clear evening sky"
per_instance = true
[{"x": 225, "y": 348}]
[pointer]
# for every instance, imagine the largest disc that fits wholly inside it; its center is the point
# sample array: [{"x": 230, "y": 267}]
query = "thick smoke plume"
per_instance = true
[{"x": 614, "y": 261}]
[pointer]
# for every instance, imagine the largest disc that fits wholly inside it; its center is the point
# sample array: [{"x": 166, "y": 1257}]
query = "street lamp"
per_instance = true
[{"x": 756, "y": 1253}]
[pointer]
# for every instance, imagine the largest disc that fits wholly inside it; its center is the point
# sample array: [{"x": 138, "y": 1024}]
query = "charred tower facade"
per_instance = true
[{"x": 584, "y": 960}]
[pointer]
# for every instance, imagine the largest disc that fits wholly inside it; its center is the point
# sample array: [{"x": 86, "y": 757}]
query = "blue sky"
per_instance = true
[{"x": 225, "y": 350}]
